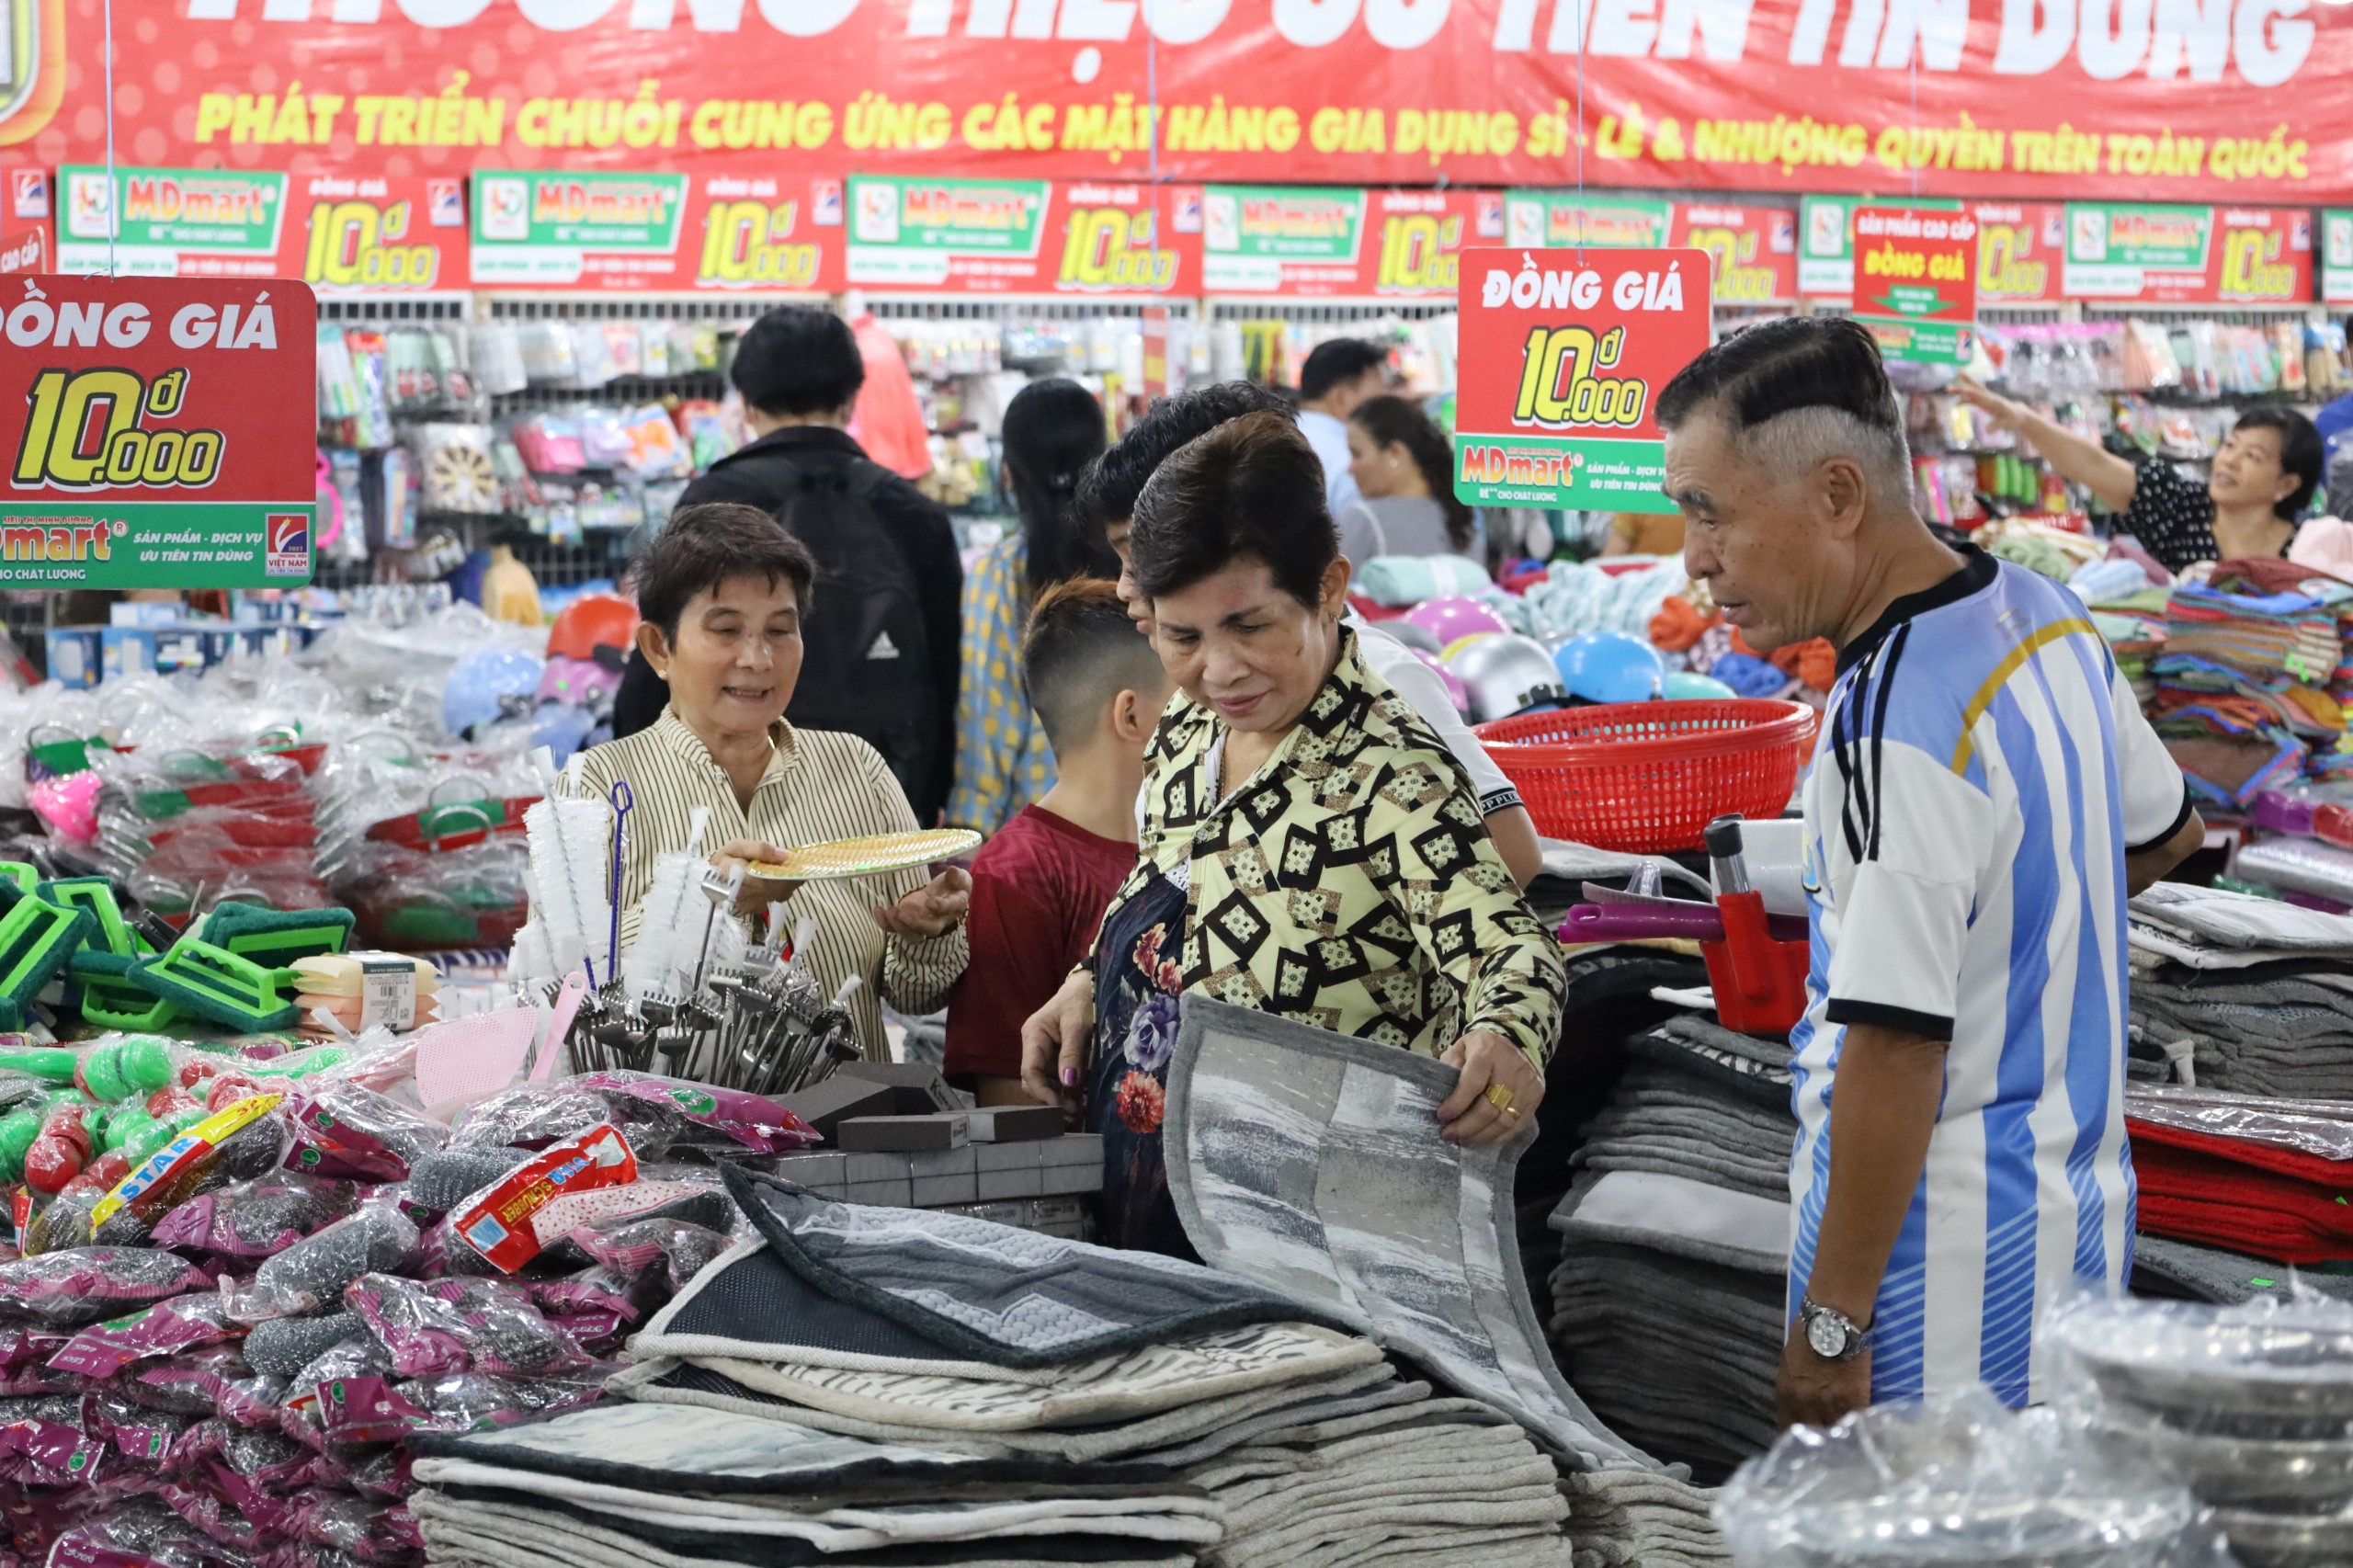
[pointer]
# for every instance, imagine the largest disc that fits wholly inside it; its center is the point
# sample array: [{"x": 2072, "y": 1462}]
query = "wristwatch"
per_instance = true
[{"x": 1831, "y": 1333}]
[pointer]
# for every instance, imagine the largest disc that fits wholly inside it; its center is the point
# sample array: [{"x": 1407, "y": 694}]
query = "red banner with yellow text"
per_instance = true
[
  {"x": 1754, "y": 249},
  {"x": 2224, "y": 101}
]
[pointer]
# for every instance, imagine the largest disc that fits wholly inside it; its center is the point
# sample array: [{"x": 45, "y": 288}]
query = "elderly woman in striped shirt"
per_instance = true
[{"x": 721, "y": 597}]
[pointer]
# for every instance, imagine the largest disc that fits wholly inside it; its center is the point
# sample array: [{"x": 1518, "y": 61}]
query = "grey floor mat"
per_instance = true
[{"x": 1322, "y": 1175}]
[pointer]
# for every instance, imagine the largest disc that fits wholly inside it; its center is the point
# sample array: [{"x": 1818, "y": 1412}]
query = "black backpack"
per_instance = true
[{"x": 866, "y": 661}]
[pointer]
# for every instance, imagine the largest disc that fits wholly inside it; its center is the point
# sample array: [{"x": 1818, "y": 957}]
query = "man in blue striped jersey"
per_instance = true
[{"x": 1984, "y": 797}]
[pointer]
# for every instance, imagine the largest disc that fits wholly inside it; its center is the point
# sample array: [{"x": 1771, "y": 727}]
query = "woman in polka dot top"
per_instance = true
[{"x": 2262, "y": 480}]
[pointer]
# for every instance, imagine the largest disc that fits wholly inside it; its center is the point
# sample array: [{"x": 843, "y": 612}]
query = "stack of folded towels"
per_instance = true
[
  {"x": 855, "y": 1381},
  {"x": 2248, "y": 684},
  {"x": 2240, "y": 994},
  {"x": 1668, "y": 1299},
  {"x": 2267, "y": 1179}
]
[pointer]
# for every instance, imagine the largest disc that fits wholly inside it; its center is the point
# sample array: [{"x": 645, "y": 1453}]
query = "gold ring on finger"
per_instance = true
[{"x": 1501, "y": 1098}]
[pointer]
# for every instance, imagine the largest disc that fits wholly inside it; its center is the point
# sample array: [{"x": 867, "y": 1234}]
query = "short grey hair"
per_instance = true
[{"x": 1801, "y": 441}]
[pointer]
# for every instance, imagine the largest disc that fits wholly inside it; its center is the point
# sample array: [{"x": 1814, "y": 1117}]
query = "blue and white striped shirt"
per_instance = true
[{"x": 1981, "y": 771}]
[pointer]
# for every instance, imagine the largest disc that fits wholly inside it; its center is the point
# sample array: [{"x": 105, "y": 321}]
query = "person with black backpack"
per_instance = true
[{"x": 882, "y": 631}]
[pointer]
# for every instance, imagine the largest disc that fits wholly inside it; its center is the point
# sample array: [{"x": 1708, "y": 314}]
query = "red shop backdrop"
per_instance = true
[{"x": 2237, "y": 102}]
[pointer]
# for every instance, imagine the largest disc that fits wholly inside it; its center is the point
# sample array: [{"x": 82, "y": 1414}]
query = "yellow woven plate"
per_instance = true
[{"x": 866, "y": 856}]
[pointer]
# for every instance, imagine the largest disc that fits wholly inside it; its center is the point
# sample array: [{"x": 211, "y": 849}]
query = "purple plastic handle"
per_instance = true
[
  {"x": 1634, "y": 922},
  {"x": 1631, "y": 923}
]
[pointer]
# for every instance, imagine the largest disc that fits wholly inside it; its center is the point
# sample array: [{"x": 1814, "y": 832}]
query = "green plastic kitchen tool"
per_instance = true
[
  {"x": 276, "y": 937},
  {"x": 16, "y": 880},
  {"x": 36, "y": 942},
  {"x": 101, "y": 968},
  {"x": 111, "y": 995},
  {"x": 214, "y": 984},
  {"x": 95, "y": 895}
]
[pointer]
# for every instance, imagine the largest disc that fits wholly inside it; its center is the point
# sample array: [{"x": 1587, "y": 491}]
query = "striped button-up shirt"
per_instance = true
[{"x": 819, "y": 786}]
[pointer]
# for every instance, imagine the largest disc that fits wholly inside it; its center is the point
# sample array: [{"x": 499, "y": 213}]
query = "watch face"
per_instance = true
[{"x": 1827, "y": 1336}]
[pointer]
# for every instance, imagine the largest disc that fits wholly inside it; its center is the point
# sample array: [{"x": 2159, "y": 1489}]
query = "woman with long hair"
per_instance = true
[
  {"x": 1404, "y": 467},
  {"x": 1053, "y": 429}
]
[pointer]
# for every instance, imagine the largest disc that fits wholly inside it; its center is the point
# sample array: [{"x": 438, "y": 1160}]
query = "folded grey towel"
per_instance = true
[{"x": 1323, "y": 1175}]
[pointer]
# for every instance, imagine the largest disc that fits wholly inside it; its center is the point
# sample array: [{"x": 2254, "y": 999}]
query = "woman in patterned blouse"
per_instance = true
[
  {"x": 2254, "y": 496},
  {"x": 1310, "y": 847}
]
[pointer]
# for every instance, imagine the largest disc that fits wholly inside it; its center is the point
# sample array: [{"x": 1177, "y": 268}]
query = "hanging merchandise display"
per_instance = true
[
  {"x": 1563, "y": 357},
  {"x": 1915, "y": 282},
  {"x": 163, "y": 441}
]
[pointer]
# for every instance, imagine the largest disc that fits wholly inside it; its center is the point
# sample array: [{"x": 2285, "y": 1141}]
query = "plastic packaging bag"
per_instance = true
[
  {"x": 633, "y": 1247},
  {"x": 256, "y": 1219},
  {"x": 529, "y": 1118},
  {"x": 344, "y": 1129},
  {"x": 83, "y": 1285},
  {"x": 1957, "y": 1479},
  {"x": 726, "y": 1120},
  {"x": 283, "y": 1347},
  {"x": 166, "y": 1328},
  {"x": 2270, "y": 1368},
  {"x": 431, "y": 1329},
  {"x": 313, "y": 1272},
  {"x": 442, "y": 1180}
]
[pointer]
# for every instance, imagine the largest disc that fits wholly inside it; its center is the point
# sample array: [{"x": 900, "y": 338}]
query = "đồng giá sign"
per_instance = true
[
  {"x": 163, "y": 433},
  {"x": 1915, "y": 281},
  {"x": 1562, "y": 357}
]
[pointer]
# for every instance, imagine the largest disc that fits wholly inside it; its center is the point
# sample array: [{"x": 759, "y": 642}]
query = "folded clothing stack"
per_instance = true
[
  {"x": 1048, "y": 1364},
  {"x": 663, "y": 1486},
  {"x": 2273, "y": 1178},
  {"x": 2250, "y": 683},
  {"x": 2241, "y": 994},
  {"x": 1669, "y": 1312},
  {"x": 1623, "y": 1519},
  {"x": 1700, "y": 1100}
]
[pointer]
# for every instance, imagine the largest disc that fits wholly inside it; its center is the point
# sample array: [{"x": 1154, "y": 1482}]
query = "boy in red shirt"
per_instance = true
[{"x": 1041, "y": 886}]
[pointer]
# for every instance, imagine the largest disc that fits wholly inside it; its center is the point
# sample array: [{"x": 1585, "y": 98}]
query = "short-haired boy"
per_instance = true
[{"x": 1041, "y": 886}]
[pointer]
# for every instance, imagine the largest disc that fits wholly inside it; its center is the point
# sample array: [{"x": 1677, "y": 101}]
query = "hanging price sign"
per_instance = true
[
  {"x": 1915, "y": 282},
  {"x": 163, "y": 433},
  {"x": 1563, "y": 356}
]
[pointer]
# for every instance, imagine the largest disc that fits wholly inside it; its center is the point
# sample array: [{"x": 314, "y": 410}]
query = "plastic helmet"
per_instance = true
[
  {"x": 1610, "y": 666},
  {"x": 477, "y": 688},
  {"x": 1448, "y": 652},
  {"x": 1456, "y": 692},
  {"x": 1506, "y": 675},
  {"x": 580, "y": 682},
  {"x": 594, "y": 621},
  {"x": 1411, "y": 633},
  {"x": 560, "y": 728},
  {"x": 1452, "y": 619},
  {"x": 1690, "y": 685}
]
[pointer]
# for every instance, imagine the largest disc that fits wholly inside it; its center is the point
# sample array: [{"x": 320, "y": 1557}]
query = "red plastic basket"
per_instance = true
[{"x": 1646, "y": 777}]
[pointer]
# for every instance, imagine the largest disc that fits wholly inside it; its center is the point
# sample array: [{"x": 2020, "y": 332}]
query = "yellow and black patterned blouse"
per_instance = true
[{"x": 1349, "y": 883}]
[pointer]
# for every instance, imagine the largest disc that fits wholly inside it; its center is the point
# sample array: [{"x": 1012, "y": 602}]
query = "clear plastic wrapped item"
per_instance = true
[
  {"x": 529, "y": 1118},
  {"x": 281, "y": 1348},
  {"x": 256, "y": 1219},
  {"x": 164, "y": 1329},
  {"x": 2271, "y": 1368},
  {"x": 441, "y": 1326},
  {"x": 344, "y": 1129},
  {"x": 313, "y": 1272},
  {"x": 1954, "y": 1480},
  {"x": 85, "y": 1285}
]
